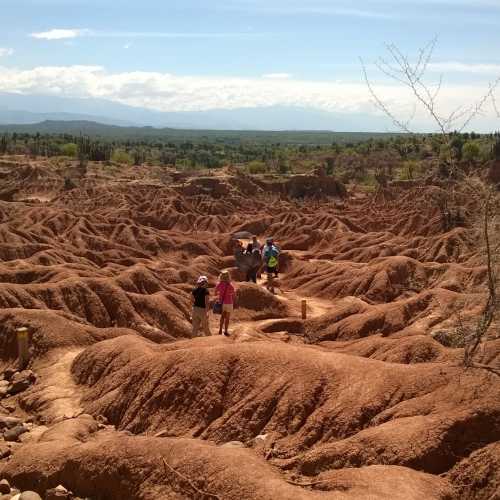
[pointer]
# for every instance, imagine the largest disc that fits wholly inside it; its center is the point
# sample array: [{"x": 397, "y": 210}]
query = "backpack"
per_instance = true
[{"x": 271, "y": 256}]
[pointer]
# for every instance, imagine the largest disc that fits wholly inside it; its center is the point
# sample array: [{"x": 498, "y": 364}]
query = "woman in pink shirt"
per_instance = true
[{"x": 227, "y": 295}]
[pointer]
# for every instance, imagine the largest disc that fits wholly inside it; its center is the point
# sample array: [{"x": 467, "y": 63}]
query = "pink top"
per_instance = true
[{"x": 226, "y": 292}]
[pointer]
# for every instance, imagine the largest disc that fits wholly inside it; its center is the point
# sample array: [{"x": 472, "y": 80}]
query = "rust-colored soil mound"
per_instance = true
[
  {"x": 123, "y": 466},
  {"x": 366, "y": 398},
  {"x": 307, "y": 399}
]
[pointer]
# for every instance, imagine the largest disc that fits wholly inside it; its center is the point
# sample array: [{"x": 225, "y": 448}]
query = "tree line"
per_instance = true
[{"x": 399, "y": 156}]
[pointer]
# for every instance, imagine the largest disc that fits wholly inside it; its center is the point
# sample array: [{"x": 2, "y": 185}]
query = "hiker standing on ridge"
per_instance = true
[
  {"x": 226, "y": 299},
  {"x": 201, "y": 306}
]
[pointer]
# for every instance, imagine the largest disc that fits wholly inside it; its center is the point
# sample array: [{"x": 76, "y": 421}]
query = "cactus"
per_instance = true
[{"x": 4, "y": 143}]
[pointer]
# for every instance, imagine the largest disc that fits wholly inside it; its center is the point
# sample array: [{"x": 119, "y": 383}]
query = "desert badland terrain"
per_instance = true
[{"x": 361, "y": 400}]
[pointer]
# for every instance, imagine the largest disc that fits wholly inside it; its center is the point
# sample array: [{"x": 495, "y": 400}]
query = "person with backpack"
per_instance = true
[
  {"x": 270, "y": 255},
  {"x": 278, "y": 249},
  {"x": 201, "y": 306},
  {"x": 226, "y": 301}
]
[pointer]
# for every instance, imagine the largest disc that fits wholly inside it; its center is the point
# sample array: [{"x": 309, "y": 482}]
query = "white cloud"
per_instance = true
[
  {"x": 6, "y": 52},
  {"x": 65, "y": 34},
  {"x": 168, "y": 92},
  {"x": 277, "y": 76},
  {"x": 127, "y": 45},
  {"x": 458, "y": 67},
  {"x": 61, "y": 34}
]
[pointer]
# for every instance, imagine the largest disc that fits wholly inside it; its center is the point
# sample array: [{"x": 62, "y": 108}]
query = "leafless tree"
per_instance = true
[
  {"x": 477, "y": 334},
  {"x": 398, "y": 67}
]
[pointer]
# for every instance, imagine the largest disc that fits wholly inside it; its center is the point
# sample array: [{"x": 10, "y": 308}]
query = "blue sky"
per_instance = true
[{"x": 218, "y": 48}]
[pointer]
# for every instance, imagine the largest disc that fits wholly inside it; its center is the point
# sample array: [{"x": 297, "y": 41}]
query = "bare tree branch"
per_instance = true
[
  {"x": 479, "y": 105},
  {"x": 399, "y": 69},
  {"x": 190, "y": 484},
  {"x": 382, "y": 106},
  {"x": 494, "y": 103}
]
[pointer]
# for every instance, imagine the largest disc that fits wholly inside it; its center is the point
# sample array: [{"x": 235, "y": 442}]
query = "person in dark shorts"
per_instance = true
[
  {"x": 270, "y": 255},
  {"x": 201, "y": 306}
]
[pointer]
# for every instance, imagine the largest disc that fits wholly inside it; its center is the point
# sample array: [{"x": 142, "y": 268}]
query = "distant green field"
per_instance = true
[{"x": 111, "y": 132}]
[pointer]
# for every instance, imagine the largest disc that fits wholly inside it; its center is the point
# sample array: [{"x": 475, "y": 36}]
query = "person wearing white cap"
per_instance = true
[{"x": 201, "y": 306}]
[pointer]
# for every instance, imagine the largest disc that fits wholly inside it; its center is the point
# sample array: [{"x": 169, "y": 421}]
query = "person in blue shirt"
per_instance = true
[{"x": 270, "y": 256}]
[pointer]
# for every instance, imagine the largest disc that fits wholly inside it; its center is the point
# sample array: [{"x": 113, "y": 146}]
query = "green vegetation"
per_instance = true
[
  {"x": 256, "y": 167},
  {"x": 69, "y": 149},
  {"x": 367, "y": 159},
  {"x": 470, "y": 151},
  {"x": 121, "y": 156},
  {"x": 151, "y": 134}
]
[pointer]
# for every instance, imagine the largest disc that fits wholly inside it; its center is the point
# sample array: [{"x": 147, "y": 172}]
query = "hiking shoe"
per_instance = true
[{"x": 226, "y": 334}]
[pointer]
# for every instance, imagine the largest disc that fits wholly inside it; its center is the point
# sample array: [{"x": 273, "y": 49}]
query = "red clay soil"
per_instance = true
[
  {"x": 114, "y": 465},
  {"x": 358, "y": 401}
]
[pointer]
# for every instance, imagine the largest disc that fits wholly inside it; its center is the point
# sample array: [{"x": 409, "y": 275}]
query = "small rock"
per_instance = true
[
  {"x": 233, "y": 444},
  {"x": 21, "y": 381},
  {"x": 4, "y": 451},
  {"x": 102, "y": 419},
  {"x": 18, "y": 387},
  {"x": 57, "y": 492},
  {"x": 9, "y": 422},
  {"x": 161, "y": 434},
  {"x": 29, "y": 495},
  {"x": 9, "y": 373},
  {"x": 25, "y": 374},
  {"x": 9, "y": 406},
  {"x": 14, "y": 433},
  {"x": 4, "y": 486}
]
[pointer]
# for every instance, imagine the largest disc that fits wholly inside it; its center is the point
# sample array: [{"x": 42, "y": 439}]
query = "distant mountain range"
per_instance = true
[{"x": 20, "y": 109}]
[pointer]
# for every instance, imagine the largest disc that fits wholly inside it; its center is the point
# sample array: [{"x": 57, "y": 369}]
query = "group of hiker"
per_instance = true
[
  {"x": 255, "y": 256},
  {"x": 252, "y": 259}
]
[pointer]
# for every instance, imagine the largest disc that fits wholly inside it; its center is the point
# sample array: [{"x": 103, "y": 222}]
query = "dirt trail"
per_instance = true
[
  {"x": 57, "y": 395},
  {"x": 243, "y": 329}
]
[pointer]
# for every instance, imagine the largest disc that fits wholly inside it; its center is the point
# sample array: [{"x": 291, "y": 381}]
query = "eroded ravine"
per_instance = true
[{"x": 357, "y": 401}]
